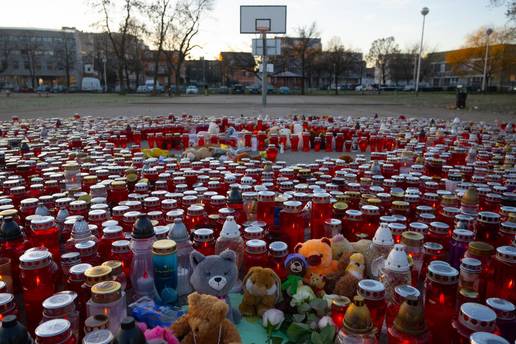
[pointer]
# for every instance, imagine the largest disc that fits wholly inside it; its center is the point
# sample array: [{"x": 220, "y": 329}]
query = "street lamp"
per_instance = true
[
  {"x": 104, "y": 61},
  {"x": 424, "y": 12},
  {"x": 484, "y": 75}
]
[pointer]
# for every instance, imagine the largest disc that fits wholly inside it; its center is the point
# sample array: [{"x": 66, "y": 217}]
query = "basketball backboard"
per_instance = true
[
  {"x": 263, "y": 19},
  {"x": 273, "y": 46}
]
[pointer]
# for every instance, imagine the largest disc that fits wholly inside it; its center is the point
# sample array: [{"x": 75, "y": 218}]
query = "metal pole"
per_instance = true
[
  {"x": 105, "y": 74},
  {"x": 484, "y": 76},
  {"x": 419, "y": 56},
  {"x": 264, "y": 69}
]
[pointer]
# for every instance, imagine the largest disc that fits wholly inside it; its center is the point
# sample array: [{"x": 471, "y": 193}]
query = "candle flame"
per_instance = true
[
  {"x": 38, "y": 281},
  {"x": 441, "y": 298}
]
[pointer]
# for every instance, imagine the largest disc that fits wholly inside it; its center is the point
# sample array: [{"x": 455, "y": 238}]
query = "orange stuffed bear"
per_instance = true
[{"x": 318, "y": 254}]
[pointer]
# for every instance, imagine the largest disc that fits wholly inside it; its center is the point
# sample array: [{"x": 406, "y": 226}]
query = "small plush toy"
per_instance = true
[
  {"x": 316, "y": 282},
  {"x": 205, "y": 322},
  {"x": 318, "y": 253},
  {"x": 262, "y": 290},
  {"x": 215, "y": 275},
  {"x": 347, "y": 284},
  {"x": 295, "y": 264}
]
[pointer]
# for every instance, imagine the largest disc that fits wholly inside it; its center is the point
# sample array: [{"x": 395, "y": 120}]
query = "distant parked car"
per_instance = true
[
  {"x": 42, "y": 88},
  {"x": 253, "y": 89},
  {"x": 58, "y": 89},
  {"x": 284, "y": 90},
  {"x": 238, "y": 89},
  {"x": 91, "y": 85},
  {"x": 192, "y": 90},
  {"x": 142, "y": 89}
]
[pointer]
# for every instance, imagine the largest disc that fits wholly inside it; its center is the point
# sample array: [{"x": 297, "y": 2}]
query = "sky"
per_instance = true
[{"x": 356, "y": 22}]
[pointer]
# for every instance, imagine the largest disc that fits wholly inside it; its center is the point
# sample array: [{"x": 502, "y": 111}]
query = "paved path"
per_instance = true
[{"x": 356, "y": 105}]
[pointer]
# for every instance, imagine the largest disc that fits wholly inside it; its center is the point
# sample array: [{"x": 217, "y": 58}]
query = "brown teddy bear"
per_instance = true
[
  {"x": 347, "y": 284},
  {"x": 262, "y": 290},
  {"x": 316, "y": 282},
  {"x": 205, "y": 322},
  {"x": 318, "y": 254}
]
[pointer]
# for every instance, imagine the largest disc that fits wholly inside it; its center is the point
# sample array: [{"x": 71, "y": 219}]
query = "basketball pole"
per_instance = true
[{"x": 264, "y": 68}]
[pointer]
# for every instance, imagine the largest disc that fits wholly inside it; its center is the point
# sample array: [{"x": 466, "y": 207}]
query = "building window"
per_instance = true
[{"x": 16, "y": 65}]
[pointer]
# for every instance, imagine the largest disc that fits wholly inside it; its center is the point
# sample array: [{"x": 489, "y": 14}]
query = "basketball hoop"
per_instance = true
[{"x": 262, "y": 25}]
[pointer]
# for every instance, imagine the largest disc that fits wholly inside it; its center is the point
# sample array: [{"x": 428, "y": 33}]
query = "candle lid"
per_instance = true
[
  {"x": 163, "y": 247},
  {"x": 115, "y": 265},
  {"x": 278, "y": 249},
  {"x": 96, "y": 322},
  {"x": 401, "y": 292},
  {"x": 86, "y": 248},
  {"x": 203, "y": 234},
  {"x": 97, "y": 274},
  {"x": 471, "y": 264},
  {"x": 70, "y": 258},
  {"x": 52, "y": 328},
  {"x": 255, "y": 246},
  {"x": 370, "y": 209},
  {"x": 488, "y": 217},
  {"x": 463, "y": 235},
  {"x": 266, "y": 196},
  {"x": 504, "y": 309},
  {"x": 230, "y": 229},
  {"x": 10, "y": 230},
  {"x": 106, "y": 292},
  {"x": 480, "y": 248},
  {"x": 371, "y": 289},
  {"x": 383, "y": 235},
  {"x": 120, "y": 246},
  {"x": 397, "y": 259},
  {"x": 442, "y": 273},
  {"x": 357, "y": 319},
  {"x": 41, "y": 222},
  {"x": 432, "y": 247},
  {"x": 35, "y": 259},
  {"x": 142, "y": 228},
  {"x": 292, "y": 206},
  {"x": 410, "y": 238},
  {"x": 77, "y": 271},
  {"x": 60, "y": 300},
  {"x": 6, "y": 302},
  {"x": 506, "y": 254},
  {"x": 477, "y": 317},
  {"x": 101, "y": 336},
  {"x": 440, "y": 228},
  {"x": 486, "y": 338}
]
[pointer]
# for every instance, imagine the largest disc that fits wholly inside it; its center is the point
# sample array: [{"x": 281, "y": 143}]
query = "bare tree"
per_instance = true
[
  {"x": 119, "y": 38},
  {"x": 510, "y": 5},
  {"x": 381, "y": 52},
  {"x": 29, "y": 49},
  {"x": 161, "y": 14},
  {"x": 135, "y": 53},
  {"x": 304, "y": 49},
  {"x": 185, "y": 27},
  {"x": 65, "y": 55},
  {"x": 340, "y": 61},
  {"x": 6, "y": 48},
  {"x": 402, "y": 65}
]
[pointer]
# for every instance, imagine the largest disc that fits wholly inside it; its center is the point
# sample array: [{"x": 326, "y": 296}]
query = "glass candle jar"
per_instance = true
[
  {"x": 164, "y": 261},
  {"x": 409, "y": 325},
  {"x": 72, "y": 174},
  {"x": 370, "y": 220},
  {"x": 38, "y": 282},
  {"x": 7, "y": 305},
  {"x": 504, "y": 266},
  {"x": 351, "y": 228},
  {"x": 56, "y": 331},
  {"x": 459, "y": 245},
  {"x": 339, "y": 305},
  {"x": 117, "y": 273},
  {"x": 505, "y": 317},
  {"x": 108, "y": 298},
  {"x": 357, "y": 327},
  {"x": 431, "y": 251},
  {"x": 195, "y": 217},
  {"x": 265, "y": 207},
  {"x": 469, "y": 277},
  {"x": 321, "y": 212},
  {"x": 292, "y": 223},
  {"x": 45, "y": 233},
  {"x": 486, "y": 338},
  {"x": 88, "y": 252},
  {"x": 473, "y": 317},
  {"x": 255, "y": 254},
  {"x": 76, "y": 283},
  {"x": 396, "y": 271},
  {"x": 62, "y": 306},
  {"x": 483, "y": 252},
  {"x": 440, "y": 298},
  {"x": 204, "y": 241},
  {"x": 278, "y": 251},
  {"x": 118, "y": 192},
  {"x": 121, "y": 251},
  {"x": 110, "y": 234},
  {"x": 413, "y": 242},
  {"x": 373, "y": 293},
  {"x": 249, "y": 205},
  {"x": 401, "y": 293},
  {"x": 439, "y": 232},
  {"x": 487, "y": 226}
]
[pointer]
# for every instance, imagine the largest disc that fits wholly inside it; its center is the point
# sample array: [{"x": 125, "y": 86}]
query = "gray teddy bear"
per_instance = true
[{"x": 215, "y": 275}]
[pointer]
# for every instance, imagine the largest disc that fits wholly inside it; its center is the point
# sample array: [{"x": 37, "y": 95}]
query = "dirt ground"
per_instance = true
[{"x": 439, "y": 105}]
